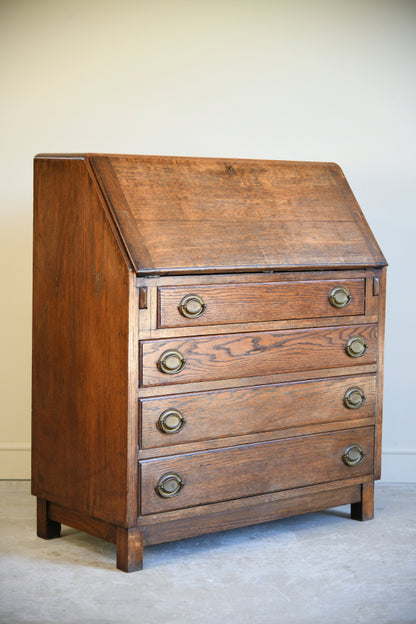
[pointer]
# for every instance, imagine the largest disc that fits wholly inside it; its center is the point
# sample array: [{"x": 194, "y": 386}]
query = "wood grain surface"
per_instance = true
[
  {"x": 303, "y": 500},
  {"x": 187, "y": 215},
  {"x": 81, "y": 349},
  {"x": 237, "y": 303},
  {"x": 255, "y": 409},
  {"x": 256, "y": 353},
  {"x": 380, "y": 368},
  {"x": 244, "y": 471},
  {"x": 118, "y": 242}
]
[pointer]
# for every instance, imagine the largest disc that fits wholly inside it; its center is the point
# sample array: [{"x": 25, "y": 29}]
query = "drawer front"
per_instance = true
[
  {"x": 184, "y": 306},
  {"x": 247, "y": 355},
  {"x": 253, "y": 469},
  {"x": 198, "y": 416}
]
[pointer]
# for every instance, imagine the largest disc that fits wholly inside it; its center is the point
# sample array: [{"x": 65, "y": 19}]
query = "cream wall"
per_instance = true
[{"x": 302, "y": 80}]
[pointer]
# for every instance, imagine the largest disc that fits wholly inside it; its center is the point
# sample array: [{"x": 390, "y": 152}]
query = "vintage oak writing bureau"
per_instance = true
[{"x": 207, "y": 346}]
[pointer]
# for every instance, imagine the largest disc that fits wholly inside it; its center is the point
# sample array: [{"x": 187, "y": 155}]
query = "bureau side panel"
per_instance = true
[
  {"x": 81, "y": 283},
  {"x": 381, "y": 287}
]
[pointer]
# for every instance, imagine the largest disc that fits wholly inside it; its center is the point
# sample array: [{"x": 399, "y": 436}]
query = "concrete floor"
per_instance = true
[{"x": 308, "y": 569}]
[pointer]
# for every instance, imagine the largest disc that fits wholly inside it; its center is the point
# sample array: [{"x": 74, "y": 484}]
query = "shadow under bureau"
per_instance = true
[{"x": 207, "y": 346}]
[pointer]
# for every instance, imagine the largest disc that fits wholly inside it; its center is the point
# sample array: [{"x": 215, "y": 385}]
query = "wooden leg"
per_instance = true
[
  {"x": 364, "y": 510},
  {"x": 129, "y": 549},
  {"x": 47, "y": 529}
]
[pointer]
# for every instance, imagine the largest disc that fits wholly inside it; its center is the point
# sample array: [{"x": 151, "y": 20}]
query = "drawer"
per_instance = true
[
  {"x": 247, "y": 355},
  {"x": 252, "y": 469},
  {"x": 198, "y": 416},
  {"x": 183, "y": 306}
]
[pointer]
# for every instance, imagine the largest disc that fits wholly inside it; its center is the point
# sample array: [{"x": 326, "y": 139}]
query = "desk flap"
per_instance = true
[{"x": 207, "y": 215}]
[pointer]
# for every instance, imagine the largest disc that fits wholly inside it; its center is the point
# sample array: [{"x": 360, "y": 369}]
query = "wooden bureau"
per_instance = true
[{"x": 207, "y": 346}]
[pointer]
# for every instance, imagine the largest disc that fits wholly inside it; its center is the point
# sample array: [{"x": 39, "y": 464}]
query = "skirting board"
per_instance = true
[
  {"x": 15, "y": 460},
  {"x": 398, "y": 465}
]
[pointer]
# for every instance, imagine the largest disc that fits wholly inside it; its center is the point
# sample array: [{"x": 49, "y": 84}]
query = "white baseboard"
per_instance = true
[
  {"x": 15, "y": 460},
  {"x": 398, "y": 465}
]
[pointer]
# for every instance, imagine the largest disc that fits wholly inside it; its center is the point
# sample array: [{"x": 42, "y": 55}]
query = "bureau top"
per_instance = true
[{"x": 177, "y": 215}]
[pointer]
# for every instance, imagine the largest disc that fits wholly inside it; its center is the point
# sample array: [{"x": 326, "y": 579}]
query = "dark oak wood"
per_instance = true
[
  {"x": 82, "y": 343},
  {"x": 143, "y": 298},
  {"x": 380, "y": 375},
  {"x": 364, "y": 508},
  {"x": 255, "y": 409},
  {"x": 252, "y": 277},
  {"x": 235, "y": 303},
  {"x": 118, "y": 242},
  {"x": 249, "y": 438},
  {"x": 238, "y": 328},
  {"x": 259, "y": 353},
  {"x": 240, "y": 504},
  {"x": 129, "y": 549},
  {"x": 149, "y": 317},
  {"x": 81, "y": 522},
  {"x": 183, "y": 215},
  {"x": 241, "y": 382},
  {"x": 238, "y": 472},
  {"x": 123, "y": 219},
  {"x": 210, "y": 521},
  {"x": 47, "y": 528}
]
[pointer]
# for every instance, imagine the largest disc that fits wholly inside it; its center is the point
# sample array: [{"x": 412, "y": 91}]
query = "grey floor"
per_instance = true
[{"x": 315, "y": 568}]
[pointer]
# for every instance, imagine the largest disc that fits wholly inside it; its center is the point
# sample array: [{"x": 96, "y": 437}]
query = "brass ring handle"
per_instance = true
[
  {"x": 192, "y": 306},
  {"x": 171, "y": 362},
  {"x": 353, "y": 455},
  {"x": 171, "y": 421},
  {"x": 339, "y": 297},
  {"x": 169, "y": 485},
  {"x": 354, "y": 397},
  {"x": 356, "y": 346}
]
